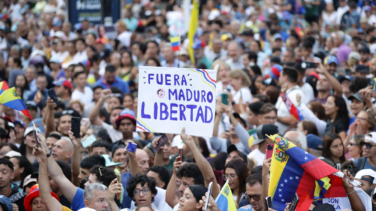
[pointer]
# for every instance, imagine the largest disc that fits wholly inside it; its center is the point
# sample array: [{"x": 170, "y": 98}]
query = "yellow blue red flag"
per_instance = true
[
  {"x": 11, "y": 99},
  {"x": 175, "y": 43},
  {"x": 3, "y": 86},
  {"x": 224, "y": 200}
]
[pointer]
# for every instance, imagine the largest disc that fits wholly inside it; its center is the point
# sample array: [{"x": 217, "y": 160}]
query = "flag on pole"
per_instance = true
[
  {"x": 175, "y": 43},
  {"x": 294, "y": 111},
  {"x": 224, "y": 200},
  {"x": 11, "y": 99},
  {"x": 193, "y": 28},
  {"x": 3, "y": 86}
]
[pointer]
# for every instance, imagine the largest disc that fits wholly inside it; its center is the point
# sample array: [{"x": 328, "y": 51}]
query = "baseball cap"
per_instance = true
[
  {"x": 34, "y": 192},
  {"x": 63, "y": 82},
  {"x": 177, "y": 142},
  {"x": 275, "y": 71},
  {"x": 269, "y": 82},
  {"x": 354, "y": 56},
  {"x": 331, "y": 59},
  {"x": 314, "y": 142},
  {"x": 364, "y": 48},
  {"x": 7, "y": 202},
  {"x": 263, "y": 130},
  {"x": 31, "y": 104},
  {"x": 31, "y": 129},
  {"x": 277, "y": 36},
  {"x": 341, "y": 78},
  {"x": 59, "y": 34},
  {"x": 55, "y": 59},
  {"x": 361, "y": 68},
  {"x": 356, "y": 96},
  {"x": 182, "y": 51},
  {"x": 126, "y": 113},
  {"x": 105, "y": 53},
  {"x": 371, "y": 137},
  {"x": 226, "y": 36},
  {"x": 11, "y": 154},
  {"x": 29, "y": 180},
  {"x": 109, "y": 162},
  {"x": 366, "y": 172},
  {"x": 232, "y": 148}
]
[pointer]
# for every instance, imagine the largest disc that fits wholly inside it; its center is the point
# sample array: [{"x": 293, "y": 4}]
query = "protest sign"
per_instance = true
[{"x": 172, "y": 98}]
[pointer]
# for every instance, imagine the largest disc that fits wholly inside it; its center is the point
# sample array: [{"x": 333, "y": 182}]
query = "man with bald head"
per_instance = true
[
  {"x": 63, "y": 149},
  {"x": 297, "y": 138}
]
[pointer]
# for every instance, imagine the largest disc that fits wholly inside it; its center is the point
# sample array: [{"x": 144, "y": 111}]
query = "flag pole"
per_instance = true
[{"x": 35, "y": 134}]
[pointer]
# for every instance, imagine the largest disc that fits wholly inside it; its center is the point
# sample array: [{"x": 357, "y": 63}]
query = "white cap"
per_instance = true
[
  {"x": 86, "y": 209},
  {"x": 31, "y": 129},
  {"x": 214, "y": 14},
  {"x": 177, "y": 142},
  {"x": 12, "y": 153},
  {"x": 371, "y": 137},
  {"x": 59, "y": 34},
  {"x": 366, "y": 172}
]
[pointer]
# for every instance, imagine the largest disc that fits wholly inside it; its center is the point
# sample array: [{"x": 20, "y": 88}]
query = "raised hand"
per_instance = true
[
  {"x": 177, "y": 164},
  {"x": 187, "y": 139},
  {"x": 106, "y": 93},
  {"x": 76, "y": 141},
  {"x": 114, "y": 189}
]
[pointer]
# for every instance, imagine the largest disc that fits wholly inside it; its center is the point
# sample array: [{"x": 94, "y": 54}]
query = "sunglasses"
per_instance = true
[
  {"x": 353, "y": 144},
  {"x": 368, "y": 145},
  {"x": 254, "y": 197}
]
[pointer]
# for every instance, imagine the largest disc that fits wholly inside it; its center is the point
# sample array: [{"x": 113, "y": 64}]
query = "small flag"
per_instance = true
[
  {"x": 224, "y": 200},
  {"x": 294, "y": 111},
  {"x": 175, "y": 43},
  {"x": 11, "y": 99},
  {"x": 3, "y": 86},
  {"x": 374, "y": 84}
]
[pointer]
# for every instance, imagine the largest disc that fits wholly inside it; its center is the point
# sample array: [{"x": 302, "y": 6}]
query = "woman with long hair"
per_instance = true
[
  {"x": 256, "y": 85},
  {"x": 236, "y": 172},
  {"x": 222, "y": 79},
  {"x": 354, "y": 151},
  {"x": 127, "y": 67},
  {"x": 333, "y": 149},
  {"x": 240, "y": 84}
]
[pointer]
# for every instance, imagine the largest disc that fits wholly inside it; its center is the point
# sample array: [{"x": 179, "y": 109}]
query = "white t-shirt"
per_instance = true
[
  {"x": 86, "y": 97},
  {"x": 257, "y": 156},
  {"x": 243, "y": 93},
  {"x": 308, "y": 93},
  {"x": 125, "y": 38},
  {"x": 282, "y": 110},
  {"x": 115, "y": 135}
]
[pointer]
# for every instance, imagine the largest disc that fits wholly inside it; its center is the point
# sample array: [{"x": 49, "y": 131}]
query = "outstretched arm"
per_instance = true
[
  {"x": 94, "y": 114},
  {"x": 44, "y": 186},
  {"x": 171, "y": 198},
  {"x": 76, "y": 158}
]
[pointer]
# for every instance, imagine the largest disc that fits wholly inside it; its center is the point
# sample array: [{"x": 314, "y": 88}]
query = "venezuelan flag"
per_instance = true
[
  {"x": 175, "y": 43},
  {"x": 294, "y": 111},
  {"x": 193, "y": 28},
  {"x": 11, "y": 99},
  {"x": 294, "y": 170},
  {"x": 224, "y": 200},
  {"x": 3, "y": 86},
  {"x": 374, "y": 84}
]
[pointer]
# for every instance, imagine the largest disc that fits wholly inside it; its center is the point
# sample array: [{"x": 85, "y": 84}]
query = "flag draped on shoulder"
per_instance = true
[
  {"x": 294, "y": 170},
  {"x": 294, "y": 111},
  {"x": 193, "y": 28},
  {"x": 11, "y": 99},
  {"x": 225, "y": 200}
]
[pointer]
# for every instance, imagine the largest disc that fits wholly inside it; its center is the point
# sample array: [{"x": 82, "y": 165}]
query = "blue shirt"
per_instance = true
[
  {"x": 78, "y": 200},
  {"x": 124, "y": 181},
  {"x": 119, "y": 83},
  {"x": 366, "y": 165}
]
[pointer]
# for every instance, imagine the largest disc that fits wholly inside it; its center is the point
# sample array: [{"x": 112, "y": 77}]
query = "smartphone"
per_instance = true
[
  {"x": 269, "y": 150},
  {"x": 76, "y": 125},
  {"x": 268, "y": 201},
  {"x": 88, "y": 141},
  {"x": 51, "y": 93},
  {"x": 371, "y": 83},
  {"x": 118, "y": 181},
  {"x": 208, "y": 196},
  {"x": 309, "y": 65},
  {"x": 162, "y": 141},
  {"x": 225, "y": 98},
  {"x": 131, "y": 147},
  {"x": 294, "y": 202},
  {"x": 36, "y": 137}
]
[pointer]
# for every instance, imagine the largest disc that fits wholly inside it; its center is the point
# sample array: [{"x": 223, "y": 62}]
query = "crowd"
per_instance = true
[{"x": 315, "y": 56}]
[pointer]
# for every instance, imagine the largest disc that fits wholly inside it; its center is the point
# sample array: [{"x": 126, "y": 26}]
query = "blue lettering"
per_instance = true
[
  {"x": 150, "y": 77},
  {"x": 191, "y": 107},
  {"x": 182, "y": 110},
  {"x": 173, "y": 93},
  {"x": 143, "y": 115},
  {"x": 168, "y": 79},
  {"x": 210, "y": 97},
  {"x": 181, "y": 95},
  {"x": 164, "y": 110},
  {"x": 155, "y": 110},
  {"x": 196, "y": 95},
  {"x": 172, "y": 111},
  {"x": 338, "y": 207},
  {"x": 183, "y": 81},
  {"x": 189, "y": 94},
  {"x": 161, "y": 79},
  {"x": 200, "y": 114},
  {"x": 176, "y": 80},
  {"x": 203, "y": 96},
  {"x": 207, "y": 110}
]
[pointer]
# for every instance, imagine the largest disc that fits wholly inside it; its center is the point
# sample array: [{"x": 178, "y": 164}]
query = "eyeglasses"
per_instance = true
[
  {"x": 231, "y": 176},
  {"x": 353, "y": 144},
  {"x": 144, "y": 191},
  {"x": 268, "y": 118},
  {"x": 254, "y": 197},
  {"x": 368, "y": 145},
  {"x": 67, "y": 112}
]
